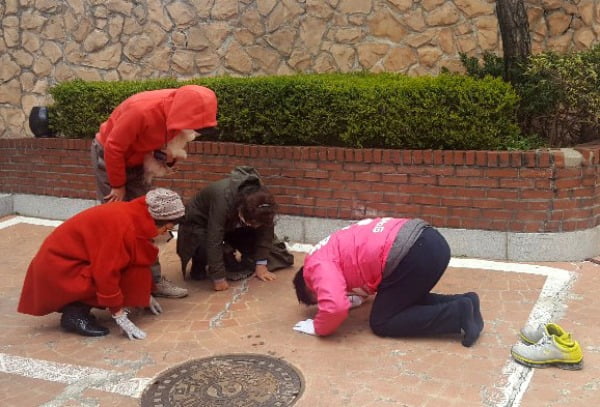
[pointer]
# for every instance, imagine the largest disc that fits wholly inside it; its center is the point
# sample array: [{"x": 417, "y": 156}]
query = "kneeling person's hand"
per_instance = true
[
  {"x": 263, "y": 273},
  {"x": 306, "y": 327}
]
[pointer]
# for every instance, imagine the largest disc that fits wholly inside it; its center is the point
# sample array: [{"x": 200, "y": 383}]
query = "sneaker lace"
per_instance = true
[{"x": 542, "y": 343}]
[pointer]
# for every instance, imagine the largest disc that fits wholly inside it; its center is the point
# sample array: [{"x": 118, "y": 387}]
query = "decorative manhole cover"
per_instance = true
[{"x": 236, "y": 380}]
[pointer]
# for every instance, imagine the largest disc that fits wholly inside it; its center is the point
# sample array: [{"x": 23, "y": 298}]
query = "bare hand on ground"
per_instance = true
[
  {"x": 116, "y": 194},
  {"x": 263, "y": 274},
  {"x": 220, "y": 285}
]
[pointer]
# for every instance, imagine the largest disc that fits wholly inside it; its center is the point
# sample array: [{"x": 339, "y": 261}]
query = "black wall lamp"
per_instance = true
[{"x": 39, "y": 123}]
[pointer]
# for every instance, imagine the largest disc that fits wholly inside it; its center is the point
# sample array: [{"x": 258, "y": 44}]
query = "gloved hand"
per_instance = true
[
  {"x": 132, "y": 331},
  {"x": 355, "y": 300},
  {"x": 154, "y": 306},
  {"x": 306, "y": 327}
]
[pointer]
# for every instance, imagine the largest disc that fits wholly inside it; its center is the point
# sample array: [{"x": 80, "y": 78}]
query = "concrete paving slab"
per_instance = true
[{"x": 42, "y": 366}]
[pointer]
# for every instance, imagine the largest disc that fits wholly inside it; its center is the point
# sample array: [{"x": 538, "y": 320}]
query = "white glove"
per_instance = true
[
  {"x": 132, "y": 331},
  {"x": 355, "y": 300},
  {"x": 154, "y": 306},
  {"x": 306, "y": 327}
]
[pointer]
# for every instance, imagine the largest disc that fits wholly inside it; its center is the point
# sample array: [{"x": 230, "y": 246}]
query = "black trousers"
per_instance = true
[
  {"x": 404, "y": 305},
  {"x": 241, "y": 239}
]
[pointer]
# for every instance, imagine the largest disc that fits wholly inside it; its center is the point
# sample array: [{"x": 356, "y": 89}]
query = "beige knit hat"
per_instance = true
[{"x": 164, "y": 204}]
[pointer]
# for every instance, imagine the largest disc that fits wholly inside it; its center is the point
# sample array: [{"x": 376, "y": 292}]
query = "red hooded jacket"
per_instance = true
[
  {"x": 148, "y": 120},
  {"x": 101, "y": 257}
]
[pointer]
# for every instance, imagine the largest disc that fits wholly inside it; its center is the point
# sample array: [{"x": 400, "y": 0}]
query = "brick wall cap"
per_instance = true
[{"x": 573, "y": 158}]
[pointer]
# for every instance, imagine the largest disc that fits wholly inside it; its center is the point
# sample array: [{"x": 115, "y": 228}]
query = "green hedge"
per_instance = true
[
  {"x": 559, "y": 93},
  {"x": 353, "y": 110}
]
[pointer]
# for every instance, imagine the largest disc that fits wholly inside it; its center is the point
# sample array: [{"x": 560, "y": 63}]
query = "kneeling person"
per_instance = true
[
  {"x": 399, "y": 260},
  {"x": 233, "y": 215},
  {"x": 101, "y": 258}
]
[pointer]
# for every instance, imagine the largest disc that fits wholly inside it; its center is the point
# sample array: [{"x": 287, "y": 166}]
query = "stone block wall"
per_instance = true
[
  {"x": 43, "y": 42},
  {"x": 521, "y": 191}
]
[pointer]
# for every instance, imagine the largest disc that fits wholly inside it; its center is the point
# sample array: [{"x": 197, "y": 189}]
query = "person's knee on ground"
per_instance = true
[
  {"x": 238, "y": 265},
  {"x": 454, "y": 316}
]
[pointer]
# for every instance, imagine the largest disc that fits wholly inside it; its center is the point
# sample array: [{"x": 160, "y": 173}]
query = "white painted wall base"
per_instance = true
[{"x": 508, "y": 246}]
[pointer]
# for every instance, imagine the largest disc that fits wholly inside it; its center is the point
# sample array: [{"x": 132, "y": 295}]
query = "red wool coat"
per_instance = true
[
  {"x": 148, "y": 120},
  {"x": 101, "y": 257}
]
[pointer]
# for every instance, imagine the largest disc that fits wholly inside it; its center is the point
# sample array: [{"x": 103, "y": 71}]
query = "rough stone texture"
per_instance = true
[
  {"x": 119, "y": 39},
  {"x": 371, "y": 53},
  {"x": 237, "y": 59}
]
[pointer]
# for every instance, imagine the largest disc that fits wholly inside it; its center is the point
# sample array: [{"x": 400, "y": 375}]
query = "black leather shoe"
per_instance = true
[{"x": 76, "y": 318}]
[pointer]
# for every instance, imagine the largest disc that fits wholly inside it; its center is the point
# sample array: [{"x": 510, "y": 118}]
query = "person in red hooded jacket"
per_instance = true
[
  {"x": 101, "y": 258},
  {"x": 143, "y": 138}
]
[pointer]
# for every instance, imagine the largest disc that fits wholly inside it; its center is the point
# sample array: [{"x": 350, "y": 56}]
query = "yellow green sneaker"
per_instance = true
[
  {"x": 530, "y": 334},
  {"x": 550, "y": 350}
]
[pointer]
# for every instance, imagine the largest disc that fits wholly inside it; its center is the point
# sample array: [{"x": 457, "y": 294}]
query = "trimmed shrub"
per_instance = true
[
  {"x": 353, "y": 110},
  {"x": 559, "y": 94},
  {"x": 80, "y": 107}
]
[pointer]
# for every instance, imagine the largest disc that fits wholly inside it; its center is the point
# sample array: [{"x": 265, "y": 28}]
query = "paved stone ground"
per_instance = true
[{"x": 42, "y": 366}]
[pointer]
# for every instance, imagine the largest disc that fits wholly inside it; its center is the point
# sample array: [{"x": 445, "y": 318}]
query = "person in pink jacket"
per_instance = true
[{"x": 398, "y": 259}]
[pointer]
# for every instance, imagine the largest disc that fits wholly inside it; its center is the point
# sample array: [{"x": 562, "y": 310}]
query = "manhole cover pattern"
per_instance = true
[{"x": 237, "y": 380}]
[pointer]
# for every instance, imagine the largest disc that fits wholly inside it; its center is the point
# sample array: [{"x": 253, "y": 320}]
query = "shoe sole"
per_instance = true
[
  {"x": 561, "y": 364},
  {"x": 169, "y": 296},
  {"x": 75, "y": 331}
]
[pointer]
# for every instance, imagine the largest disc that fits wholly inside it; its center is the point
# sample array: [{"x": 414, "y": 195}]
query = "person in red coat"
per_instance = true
[
  {"x": 143, "y": 138},
  {"x": 101, "y": 258}
]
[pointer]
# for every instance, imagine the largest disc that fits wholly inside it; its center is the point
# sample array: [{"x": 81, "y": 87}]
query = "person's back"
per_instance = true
[
  {"x": 149, "y": 120},
  {"x": 360, "y": 250}
]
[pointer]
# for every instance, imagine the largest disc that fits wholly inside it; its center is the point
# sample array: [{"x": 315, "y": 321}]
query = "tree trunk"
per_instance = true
[{"x": 514, "y": 28}]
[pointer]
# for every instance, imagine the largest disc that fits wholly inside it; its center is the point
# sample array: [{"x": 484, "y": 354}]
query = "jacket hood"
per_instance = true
[
  {"x": 190, "y": 107},
  {"x": 241, "y": 176}
]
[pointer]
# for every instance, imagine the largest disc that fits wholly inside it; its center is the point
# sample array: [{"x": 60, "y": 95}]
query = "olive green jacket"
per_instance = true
[{"x": 206, "y": 219}]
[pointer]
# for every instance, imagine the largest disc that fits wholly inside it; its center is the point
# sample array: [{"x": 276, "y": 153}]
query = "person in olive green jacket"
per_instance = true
[{"x": 227, "y": 218}]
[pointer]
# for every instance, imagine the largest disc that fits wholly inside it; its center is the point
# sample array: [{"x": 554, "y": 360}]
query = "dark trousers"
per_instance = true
[
  {"x": 241, "y": 239},
  {"x": 404, "y": 305}
]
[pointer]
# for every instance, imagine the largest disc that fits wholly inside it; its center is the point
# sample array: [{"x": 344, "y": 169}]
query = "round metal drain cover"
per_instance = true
[{"x": 236, "y": 380}]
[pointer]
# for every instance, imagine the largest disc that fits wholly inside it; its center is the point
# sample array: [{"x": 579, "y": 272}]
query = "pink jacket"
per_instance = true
[{"x": 350, "y": 258}]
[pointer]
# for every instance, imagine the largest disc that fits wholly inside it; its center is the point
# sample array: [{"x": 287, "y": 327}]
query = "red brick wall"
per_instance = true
[{"x": 531, "y": 191}]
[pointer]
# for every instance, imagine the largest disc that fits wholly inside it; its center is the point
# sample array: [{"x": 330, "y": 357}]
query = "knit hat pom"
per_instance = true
[{"x": 164, "y": 204}]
